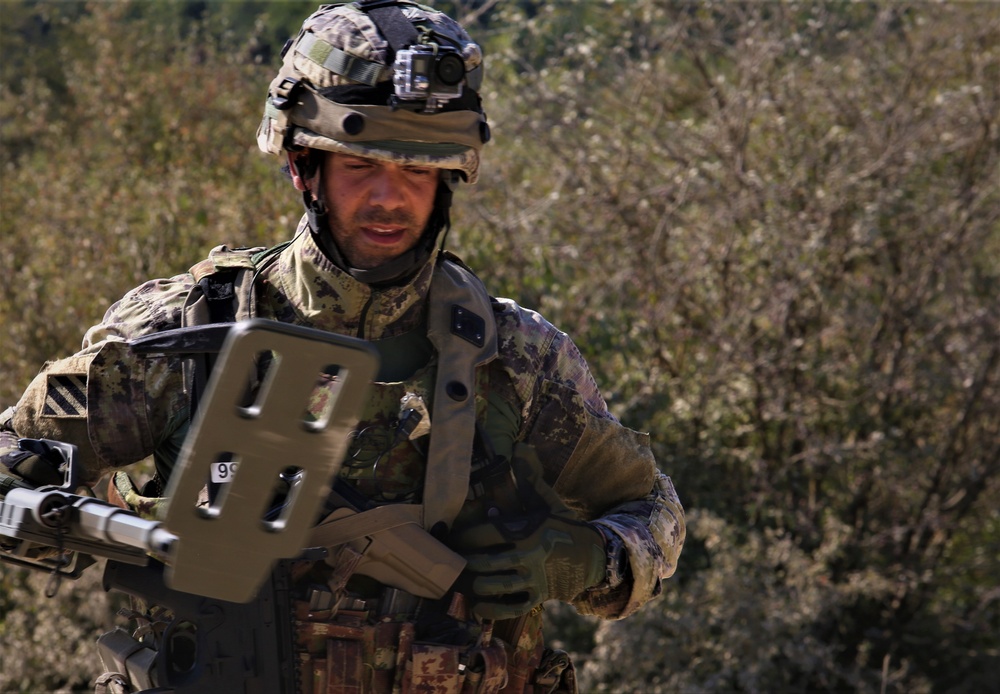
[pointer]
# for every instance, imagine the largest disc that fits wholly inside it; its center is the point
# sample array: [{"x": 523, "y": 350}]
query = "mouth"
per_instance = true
[{"x": 383, "y": 234}]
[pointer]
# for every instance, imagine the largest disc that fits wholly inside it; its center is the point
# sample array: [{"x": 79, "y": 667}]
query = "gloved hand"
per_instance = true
[
  {"x": 516, "y": 562},
  {"x": 29, "y": 462}
]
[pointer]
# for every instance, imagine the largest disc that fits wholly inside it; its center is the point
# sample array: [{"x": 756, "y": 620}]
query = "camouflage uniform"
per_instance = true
[
  {"x": 119, "y": 408},
  {"x": 127, "y": 408}
]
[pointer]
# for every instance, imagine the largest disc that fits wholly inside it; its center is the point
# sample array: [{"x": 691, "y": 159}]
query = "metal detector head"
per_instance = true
[{"x": 273, "y": 449}]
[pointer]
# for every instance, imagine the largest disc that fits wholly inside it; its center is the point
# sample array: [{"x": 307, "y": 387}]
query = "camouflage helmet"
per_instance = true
[{"x": 354, "y": 81}]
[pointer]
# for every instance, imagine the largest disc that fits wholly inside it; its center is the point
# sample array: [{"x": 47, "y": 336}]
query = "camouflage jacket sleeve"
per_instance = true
[
  {"x": 114, "y": 406},
  {"x": 600, "y": 468}
]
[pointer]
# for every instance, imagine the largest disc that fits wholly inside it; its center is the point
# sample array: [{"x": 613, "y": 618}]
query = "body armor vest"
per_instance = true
[{"x": 358, "y": 627}]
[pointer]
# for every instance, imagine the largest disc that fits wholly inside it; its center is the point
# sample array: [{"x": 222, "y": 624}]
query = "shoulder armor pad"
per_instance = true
[{"x": 225, "y": 258}]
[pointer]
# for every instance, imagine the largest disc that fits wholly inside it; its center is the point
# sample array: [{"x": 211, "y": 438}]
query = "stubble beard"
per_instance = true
[{"x": 349, "y": 237}]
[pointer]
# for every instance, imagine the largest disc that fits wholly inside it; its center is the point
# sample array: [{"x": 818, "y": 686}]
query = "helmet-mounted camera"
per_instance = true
[
  {"x": 386, "y": 79},
  {"x": 427, "y": 75}
]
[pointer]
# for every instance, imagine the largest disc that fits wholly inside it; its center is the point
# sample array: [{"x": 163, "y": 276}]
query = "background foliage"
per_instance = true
[{"x": 774, "y": 230}]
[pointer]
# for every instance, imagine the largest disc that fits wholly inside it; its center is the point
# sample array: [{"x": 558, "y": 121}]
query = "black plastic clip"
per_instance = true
[{"x": 284, "y": 93}]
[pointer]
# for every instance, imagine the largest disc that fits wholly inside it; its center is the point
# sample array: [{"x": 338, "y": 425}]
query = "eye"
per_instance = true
[
  {"x": 357, "y": 164},
  {"x": 420, "y": 171}
]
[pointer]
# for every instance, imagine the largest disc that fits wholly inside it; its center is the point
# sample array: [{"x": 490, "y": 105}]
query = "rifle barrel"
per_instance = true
[{"x": 89, "y": 519}]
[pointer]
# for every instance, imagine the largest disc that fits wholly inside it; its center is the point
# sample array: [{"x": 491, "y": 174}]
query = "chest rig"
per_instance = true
[
  {"x": 369, "y": 608},
  {"x": 376, "y": 614},
  {"x": 460, "y": 327}
]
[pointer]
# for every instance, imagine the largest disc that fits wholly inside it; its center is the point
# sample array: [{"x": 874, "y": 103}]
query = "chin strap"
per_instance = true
[{"x": 396, "y": 271}]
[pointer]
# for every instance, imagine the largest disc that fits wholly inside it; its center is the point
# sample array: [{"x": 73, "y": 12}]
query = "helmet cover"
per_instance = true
[{"x": 334, "y": 92}]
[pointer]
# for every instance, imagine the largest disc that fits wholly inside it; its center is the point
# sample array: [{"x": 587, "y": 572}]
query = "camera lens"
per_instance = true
[{"x": 450, "y": 69}]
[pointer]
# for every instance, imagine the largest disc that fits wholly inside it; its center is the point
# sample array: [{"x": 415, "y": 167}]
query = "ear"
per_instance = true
[{"x": 296, "y": 166}]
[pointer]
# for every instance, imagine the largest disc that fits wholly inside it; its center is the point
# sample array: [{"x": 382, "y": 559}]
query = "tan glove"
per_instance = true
[{"x": 516, "y": 562}]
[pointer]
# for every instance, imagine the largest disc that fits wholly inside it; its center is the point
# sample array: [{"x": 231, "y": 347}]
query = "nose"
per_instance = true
[{"x": 386, "y": 189}]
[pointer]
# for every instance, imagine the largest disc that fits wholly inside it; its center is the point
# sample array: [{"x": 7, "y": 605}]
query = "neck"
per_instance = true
[
  {"x": 309, "y": 288},
  {"x": 397, "y": 271}
]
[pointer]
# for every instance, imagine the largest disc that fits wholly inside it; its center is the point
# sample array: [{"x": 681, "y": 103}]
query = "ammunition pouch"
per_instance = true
[
  {"x": 555, "y": 674},
  {"x": 398, "y": 642},
  {"x": 382, "y": 645}
]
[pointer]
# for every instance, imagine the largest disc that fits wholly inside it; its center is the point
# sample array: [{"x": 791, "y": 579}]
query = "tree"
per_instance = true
[
  {"x": 781, "y": 223},
  {"x": 772, "y": 228}
]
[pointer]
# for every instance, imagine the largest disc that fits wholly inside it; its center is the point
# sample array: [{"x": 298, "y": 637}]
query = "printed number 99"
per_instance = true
[{"x": 223, "y": 472}]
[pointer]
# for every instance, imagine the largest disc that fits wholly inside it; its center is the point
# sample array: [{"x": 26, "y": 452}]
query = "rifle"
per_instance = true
[
  {"x": 222, "y": 570},
  {"x": 209, "y": 644}
]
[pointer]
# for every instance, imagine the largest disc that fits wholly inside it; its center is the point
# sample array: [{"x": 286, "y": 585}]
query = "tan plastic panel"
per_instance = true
[{"x": 226, "y": 551}]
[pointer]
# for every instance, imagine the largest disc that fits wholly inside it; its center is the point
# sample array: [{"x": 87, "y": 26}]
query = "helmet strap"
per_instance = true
[
  {"x": 440, "y": 222},
  {"x": 398, "y": 31},
  {"x": 396, "y": 271}
]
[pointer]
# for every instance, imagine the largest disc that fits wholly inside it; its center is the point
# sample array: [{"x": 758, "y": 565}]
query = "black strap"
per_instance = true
[{"x": 393, "y": 24}]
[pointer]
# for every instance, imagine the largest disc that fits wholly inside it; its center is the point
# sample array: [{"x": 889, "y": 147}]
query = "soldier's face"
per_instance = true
[{"x": 378, "y": 210}]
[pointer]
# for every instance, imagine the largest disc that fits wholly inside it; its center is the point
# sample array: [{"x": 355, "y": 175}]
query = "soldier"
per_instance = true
[{"x": 377, "y": 110}]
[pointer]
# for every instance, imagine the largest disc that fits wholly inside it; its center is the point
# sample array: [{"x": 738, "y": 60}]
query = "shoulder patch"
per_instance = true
[{"x": 66, "y": 396}]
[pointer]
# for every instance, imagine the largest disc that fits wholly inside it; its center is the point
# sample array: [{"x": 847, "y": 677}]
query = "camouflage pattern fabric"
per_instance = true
[
  {"x": 137, "y": 407},
  {"x": 449, "y": 140},
  {"x": 652, "y": 530},
  {"x": 382, "y": 462},
  {"x": 304, "y": 287},
  {"x": 123, "y": 492}
]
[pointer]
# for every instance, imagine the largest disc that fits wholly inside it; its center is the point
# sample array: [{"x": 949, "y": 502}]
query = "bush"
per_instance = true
[{"x": 772, "y": 228}]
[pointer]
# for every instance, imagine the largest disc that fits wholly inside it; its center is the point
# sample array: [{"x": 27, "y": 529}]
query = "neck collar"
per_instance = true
[
  {"x": 397, "y": 271},
  {"x": 306, "y": 287}
]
